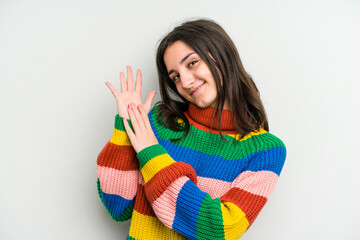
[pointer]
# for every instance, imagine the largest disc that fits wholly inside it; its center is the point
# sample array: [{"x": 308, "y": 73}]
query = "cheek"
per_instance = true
[
  {"x": 181, "y": 91},
  {"x": 212, "y": 93}
]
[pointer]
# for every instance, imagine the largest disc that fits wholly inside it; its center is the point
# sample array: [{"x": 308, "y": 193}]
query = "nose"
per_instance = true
[{"x": 187, "y": 79}]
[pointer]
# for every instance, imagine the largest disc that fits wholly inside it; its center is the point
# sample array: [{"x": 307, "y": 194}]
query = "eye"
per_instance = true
[
  {"x": 176, "y": 77},
  {"x": 192, "y": 63}
]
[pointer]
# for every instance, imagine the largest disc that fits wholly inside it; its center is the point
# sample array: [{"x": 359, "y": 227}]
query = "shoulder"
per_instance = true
[
  {"x": 154, "y": 116},
  {"x": 157, "y": 118},
  {"x": 263, "y": 139},
  {"x": 268, "y": 151},
  {"x": 271, "y": 140},
  {"x": 274, "y": 150},
  {"x": 266, "y": 144},
  {"x": 160, "y": 113}
]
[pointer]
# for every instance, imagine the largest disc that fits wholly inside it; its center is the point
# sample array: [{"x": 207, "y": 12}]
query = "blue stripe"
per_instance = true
[
  {"x": 115, "y": 203},
  {"x": 213, "y": 166},
  {"x": 271, "y": 160},
  {"x": 188, "y": 206}
]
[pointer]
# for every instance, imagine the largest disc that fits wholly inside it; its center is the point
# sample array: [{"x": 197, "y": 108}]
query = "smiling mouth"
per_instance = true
[{"x": 197, "y": 89}]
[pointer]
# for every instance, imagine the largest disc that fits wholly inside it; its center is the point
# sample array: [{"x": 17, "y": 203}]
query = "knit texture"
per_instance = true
[{"x": 198, "y": 188}]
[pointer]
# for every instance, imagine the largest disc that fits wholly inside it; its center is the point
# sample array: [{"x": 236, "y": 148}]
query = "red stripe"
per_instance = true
[
  {"x": 251, "y": 204},
  {"x": 118, "y": 157},
  {"x": 162, "y": 179},
  {"x": 205, "y": 116},
  {"x": 142, "y": 205},
  {"x": 208, "y": 129}
]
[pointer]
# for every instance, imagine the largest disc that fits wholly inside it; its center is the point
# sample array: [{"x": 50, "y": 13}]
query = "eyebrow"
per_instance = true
[{"x": 181, "y": 62}]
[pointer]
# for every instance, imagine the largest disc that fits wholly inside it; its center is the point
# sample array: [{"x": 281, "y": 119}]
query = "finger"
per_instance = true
[
  {"x": 139, "y": 117},
  {"x": 112, "y": 89},
  {"x": 149, "y": 99},
  {"x": 123, "y": 82},
  {"x": 128, "y": 130},
  {"x": 138, "y": 81},
  {"x": 130, "y": 79},
  {"x": 133, "y": 119},
  {"x": 144, "y": 116}
]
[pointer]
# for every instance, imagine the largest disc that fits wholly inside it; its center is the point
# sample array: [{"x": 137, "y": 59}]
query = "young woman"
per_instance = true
[{"x": 201, "y": 164}]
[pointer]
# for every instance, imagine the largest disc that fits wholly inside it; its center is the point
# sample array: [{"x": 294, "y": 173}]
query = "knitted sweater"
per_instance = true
[{"x": 198, "y": 188}]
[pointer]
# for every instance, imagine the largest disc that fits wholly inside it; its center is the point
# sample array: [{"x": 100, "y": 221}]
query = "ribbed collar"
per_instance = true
[{"x": 205, "y": 116}]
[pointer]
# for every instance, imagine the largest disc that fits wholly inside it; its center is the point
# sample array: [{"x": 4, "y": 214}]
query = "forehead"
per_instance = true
[{"x": 176, "y": 52}]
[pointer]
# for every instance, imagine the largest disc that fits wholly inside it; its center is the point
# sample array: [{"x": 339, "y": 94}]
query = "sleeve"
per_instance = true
[
  {"x": 171, "y": 188},
  {"x": 118, "y": 174}
]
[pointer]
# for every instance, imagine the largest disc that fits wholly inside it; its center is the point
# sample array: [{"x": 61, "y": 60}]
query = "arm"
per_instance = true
[
  {"x": 172, "y": 190},
  {"x": 171, "y": 187},
  {"x": 117, "y": 166},
  {"x": 118, "y": 174}
]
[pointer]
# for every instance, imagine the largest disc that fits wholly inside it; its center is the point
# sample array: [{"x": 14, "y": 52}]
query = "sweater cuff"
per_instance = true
[
  {"x": 119, "y": 136},
  {"x": 152, "y": 160},
  {"x": 119, "y": 125}
]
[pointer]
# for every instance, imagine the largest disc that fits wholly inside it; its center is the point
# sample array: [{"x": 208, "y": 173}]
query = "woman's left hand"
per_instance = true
[{"x": 143, "y": 135}]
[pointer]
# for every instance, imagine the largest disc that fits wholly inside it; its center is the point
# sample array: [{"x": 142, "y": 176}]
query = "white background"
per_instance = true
[{"x": 57, "y": 113}]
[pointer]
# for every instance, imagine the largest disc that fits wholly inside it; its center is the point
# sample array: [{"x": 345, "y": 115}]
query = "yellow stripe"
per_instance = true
[
  {"x": 234, "y": 220},
  {"x": 120, "y": 138},
  {"x": 155, "y": 164},
  {"x": 261, "y": 131},
  {"x": 151, "y": 228}
]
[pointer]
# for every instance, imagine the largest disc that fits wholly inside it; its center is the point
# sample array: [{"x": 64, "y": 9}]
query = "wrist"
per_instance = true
[
  {"x": 141, "y": 148},
  {"x": 150, "y": 152},
  {"x": 119, "y": 124}
]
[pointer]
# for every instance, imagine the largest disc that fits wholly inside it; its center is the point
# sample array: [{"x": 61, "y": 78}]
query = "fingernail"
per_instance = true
[{"x": 129, "y": 107}]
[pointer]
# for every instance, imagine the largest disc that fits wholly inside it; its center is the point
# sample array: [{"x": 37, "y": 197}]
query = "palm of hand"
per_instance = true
[
  {"x": 124, "y": 100},
  {"x": 128, "y": 95}
]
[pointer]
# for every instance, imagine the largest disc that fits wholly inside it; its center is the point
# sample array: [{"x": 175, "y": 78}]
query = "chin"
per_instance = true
[
  {"x": 201, "y": 106},
  {"x": 204, "y": 104}
]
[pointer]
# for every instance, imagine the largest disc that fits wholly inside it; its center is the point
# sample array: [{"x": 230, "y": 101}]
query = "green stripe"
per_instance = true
[
  {"x": 274, "y": 141},
  {"x": 119, "y": 125},
  {"x": 209, "y": 222},
  {"x": 201, "y": 140},
  {"x": 124, "y": 216},
  {"x": 149, "y": 153}
]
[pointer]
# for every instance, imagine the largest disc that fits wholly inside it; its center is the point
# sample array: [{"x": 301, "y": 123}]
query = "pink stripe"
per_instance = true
[
  {"x": 260, "y": 183},
  {"x": 165, "y": 205},
  {"x": 118, "y": 182},
  {"x": 214, "y": 187}
]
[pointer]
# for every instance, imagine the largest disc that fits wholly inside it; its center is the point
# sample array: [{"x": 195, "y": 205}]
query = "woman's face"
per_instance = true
[{"x": 191, "y": 75}]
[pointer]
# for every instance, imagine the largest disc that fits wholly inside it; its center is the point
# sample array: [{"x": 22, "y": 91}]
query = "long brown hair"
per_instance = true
[{"x": 218, "y": 51}]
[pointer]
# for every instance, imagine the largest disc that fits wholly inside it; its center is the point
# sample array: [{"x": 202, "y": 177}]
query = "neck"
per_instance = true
[
  {"x": 226, "y": 105},
  {"x": 209, "y": 118}
]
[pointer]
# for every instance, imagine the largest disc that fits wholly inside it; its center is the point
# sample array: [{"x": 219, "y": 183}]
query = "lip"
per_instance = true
[{"x": 197, "y": 89}]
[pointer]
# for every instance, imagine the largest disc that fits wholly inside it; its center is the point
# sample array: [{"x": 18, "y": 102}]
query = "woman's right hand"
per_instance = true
[{"x": 128, "y": 95}]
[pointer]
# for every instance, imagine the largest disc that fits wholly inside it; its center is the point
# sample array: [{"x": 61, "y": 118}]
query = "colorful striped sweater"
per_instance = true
[{"x": 198, "y": 188}]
